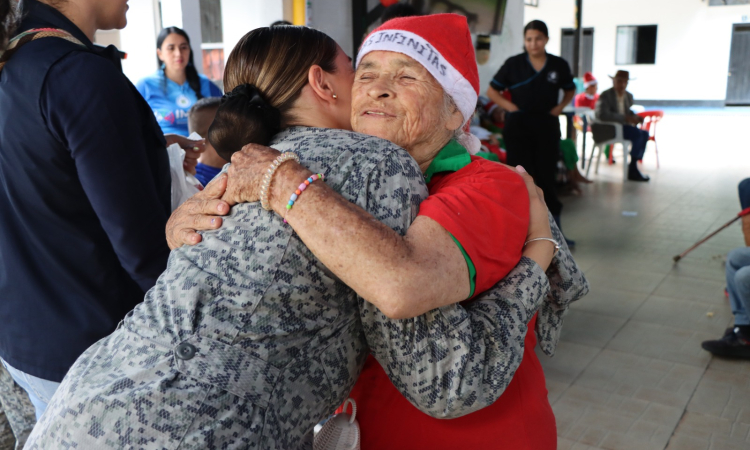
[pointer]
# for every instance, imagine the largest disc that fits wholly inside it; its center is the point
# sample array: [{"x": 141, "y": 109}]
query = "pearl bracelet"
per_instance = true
[{"x": 265, "y": 201}]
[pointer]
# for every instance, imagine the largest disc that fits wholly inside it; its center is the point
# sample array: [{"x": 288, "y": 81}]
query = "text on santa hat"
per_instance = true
[{"x": 412, "y": 47}]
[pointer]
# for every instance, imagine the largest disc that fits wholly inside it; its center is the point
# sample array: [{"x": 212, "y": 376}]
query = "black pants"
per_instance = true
[{"x": 532, "y": 140}]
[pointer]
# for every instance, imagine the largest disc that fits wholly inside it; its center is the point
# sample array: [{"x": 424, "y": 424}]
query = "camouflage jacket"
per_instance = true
[{"x": 247, "y": 341}]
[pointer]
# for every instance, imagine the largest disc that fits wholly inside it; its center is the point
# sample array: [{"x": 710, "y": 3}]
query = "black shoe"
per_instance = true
[
  {"x": 635, "y": 175},
  {"x": 731, "y": 345}
]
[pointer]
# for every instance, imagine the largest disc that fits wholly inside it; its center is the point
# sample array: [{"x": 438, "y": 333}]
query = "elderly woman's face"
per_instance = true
[{"x": 396, "y": 98}]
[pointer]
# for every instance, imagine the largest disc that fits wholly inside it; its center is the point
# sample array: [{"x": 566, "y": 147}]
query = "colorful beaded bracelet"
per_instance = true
[
  {"x": 265, "y": 202},
  {"x": 301, "y": 188}
]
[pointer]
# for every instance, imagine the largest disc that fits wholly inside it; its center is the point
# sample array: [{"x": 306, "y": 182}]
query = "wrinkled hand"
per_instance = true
[
  {"x": 193, "y": 150},
  {"x": 199, "y": 212},
  {"x": 246, "y": 173},
  {"x": 539, "y": 219}
]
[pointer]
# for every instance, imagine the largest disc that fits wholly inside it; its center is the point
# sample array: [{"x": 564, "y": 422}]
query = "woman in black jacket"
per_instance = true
[{"x": 84, "y": 189}]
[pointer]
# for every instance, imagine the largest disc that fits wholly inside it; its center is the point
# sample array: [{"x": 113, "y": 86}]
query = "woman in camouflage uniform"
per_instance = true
[{"x": 247, "y": 340}]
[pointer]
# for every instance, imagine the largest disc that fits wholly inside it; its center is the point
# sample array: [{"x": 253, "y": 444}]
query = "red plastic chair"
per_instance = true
[{"x": 650, "y": 118}]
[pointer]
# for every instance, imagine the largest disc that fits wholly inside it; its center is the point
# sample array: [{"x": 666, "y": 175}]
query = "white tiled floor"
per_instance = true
[{"x": 629, "y": 372}]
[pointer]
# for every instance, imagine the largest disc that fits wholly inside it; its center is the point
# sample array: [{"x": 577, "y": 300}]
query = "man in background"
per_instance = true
[{"x": 614, "y": 105}]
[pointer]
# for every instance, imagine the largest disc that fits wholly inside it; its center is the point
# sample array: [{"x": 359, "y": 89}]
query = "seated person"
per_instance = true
[
  {"x": 614, "y": 106},
  {"x": 736, "y": 340},
  {"x": 587, "y": 98},
  {"x": 200, "y": 117}
]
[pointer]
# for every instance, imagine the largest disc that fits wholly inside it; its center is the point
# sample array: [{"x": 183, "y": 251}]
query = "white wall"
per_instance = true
[
  {"x": 505, "y": 45},
  {"x": 138, "y": 40},
  {"x": 240, "y": 16},
  {"x": 692, "y": 44}
]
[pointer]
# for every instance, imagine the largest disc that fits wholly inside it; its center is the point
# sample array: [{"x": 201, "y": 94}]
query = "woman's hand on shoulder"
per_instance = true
[
  {"x": 246, "y": 173},
  {"x": 200, "y": 212}
]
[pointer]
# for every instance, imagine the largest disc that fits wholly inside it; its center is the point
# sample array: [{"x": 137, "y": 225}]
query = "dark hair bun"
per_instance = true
[{"x": 244, "y": 117}]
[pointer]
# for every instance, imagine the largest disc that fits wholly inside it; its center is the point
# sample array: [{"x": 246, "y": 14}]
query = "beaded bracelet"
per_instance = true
[
  {"x": 265, "y": 202},
  {"x": 301, "y": 188}
]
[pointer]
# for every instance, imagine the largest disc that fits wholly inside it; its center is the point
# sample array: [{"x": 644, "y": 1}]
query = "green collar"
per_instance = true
[{"x": 450, "y": 158}]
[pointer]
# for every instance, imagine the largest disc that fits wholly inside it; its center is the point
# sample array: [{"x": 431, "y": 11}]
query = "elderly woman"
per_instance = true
[
  {"x": 391, "y": 98},
  {"x": 247, "y": 340}
]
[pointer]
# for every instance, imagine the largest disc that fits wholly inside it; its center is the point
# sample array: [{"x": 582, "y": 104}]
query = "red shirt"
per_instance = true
[
  {"x": 583, "y": 100},
  {"x": 485, "y": 206}
]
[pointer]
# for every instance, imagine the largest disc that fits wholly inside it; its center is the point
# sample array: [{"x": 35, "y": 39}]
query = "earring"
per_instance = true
[{"x": 335, "y": 96}]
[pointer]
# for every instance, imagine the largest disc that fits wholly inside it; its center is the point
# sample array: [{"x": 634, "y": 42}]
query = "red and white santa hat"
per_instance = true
[
  {"x": 442, "y": 44},
  {"x": 588, "y": 79}
]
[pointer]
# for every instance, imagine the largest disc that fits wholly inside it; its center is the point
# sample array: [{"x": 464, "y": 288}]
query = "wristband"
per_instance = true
[{"x": 295, "y": 195}]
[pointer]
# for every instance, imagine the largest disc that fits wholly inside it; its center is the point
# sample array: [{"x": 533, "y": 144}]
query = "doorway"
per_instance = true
[
  {"x": 738, "y": 77},
  {"x": 587, "y": 48}
]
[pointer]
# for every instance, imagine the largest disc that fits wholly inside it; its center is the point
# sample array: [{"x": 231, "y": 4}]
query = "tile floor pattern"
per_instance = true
[{"x": 629, "y": 372}]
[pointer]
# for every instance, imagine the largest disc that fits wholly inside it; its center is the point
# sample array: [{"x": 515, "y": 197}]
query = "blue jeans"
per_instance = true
[
  {"x": 40, "y": 391},
  {"x": 738, "y": 284},
  {"x": 639, "y": 138}
]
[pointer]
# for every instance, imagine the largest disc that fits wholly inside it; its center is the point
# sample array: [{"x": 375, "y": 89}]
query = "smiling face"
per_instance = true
[
  {"x": 534, "y": 42},
  {"x": 174, "y": 52},
  {"x": 396, "y": 98}
]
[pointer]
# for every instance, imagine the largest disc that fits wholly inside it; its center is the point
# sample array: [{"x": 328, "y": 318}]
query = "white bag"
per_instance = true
[
  {"x": 184, "y": 185},
  {"x": 340, "y": 432}
]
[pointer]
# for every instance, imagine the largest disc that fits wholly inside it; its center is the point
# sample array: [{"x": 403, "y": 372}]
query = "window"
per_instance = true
[
  {"x": 727, "y": 2},
  {"x": 587, "y": 49},
  {"x": 636, "y": 45},
  {"x": 213, "y": 36}
]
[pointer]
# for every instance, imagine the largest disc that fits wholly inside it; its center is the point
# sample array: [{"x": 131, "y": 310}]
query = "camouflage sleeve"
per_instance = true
[
  {"x": 459, "y": 358},
  {"x": 567, "y": 284}
]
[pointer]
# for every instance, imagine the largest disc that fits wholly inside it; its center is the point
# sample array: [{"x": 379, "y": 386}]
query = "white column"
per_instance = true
[
  {"x": 191, "y": 23},
  {"x": 240, "y": 16},
  {"x": 138, "y": 40},
  {"x": 334, "y": 18},
  {"x": 171, "y": 13}
]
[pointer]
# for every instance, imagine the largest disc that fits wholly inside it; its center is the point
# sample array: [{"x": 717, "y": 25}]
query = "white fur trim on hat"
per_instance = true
[{"x": 416, "y": 47}]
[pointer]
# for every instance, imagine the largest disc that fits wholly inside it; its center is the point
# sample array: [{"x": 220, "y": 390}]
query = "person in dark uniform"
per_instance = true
[
  {"x": 532, "y": 128},
  {"x": 84, "y": 189}
]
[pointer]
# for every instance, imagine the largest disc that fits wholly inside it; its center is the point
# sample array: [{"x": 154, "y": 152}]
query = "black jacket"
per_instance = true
[{"x": 84, "y": 198}]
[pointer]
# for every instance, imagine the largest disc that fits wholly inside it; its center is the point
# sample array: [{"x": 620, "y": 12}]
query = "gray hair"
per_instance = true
[{"x": 449, "y": 107}]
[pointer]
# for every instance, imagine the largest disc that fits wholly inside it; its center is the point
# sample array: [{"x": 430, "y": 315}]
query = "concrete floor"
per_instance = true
[{"x": 629, "y": 372}]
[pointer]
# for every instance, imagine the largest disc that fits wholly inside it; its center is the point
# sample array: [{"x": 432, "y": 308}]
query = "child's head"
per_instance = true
[
  {"x": 202, "y": 114},
  {"x": 200, "y": 117}
]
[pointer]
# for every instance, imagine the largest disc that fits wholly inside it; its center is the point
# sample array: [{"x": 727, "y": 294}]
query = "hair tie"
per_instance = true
[
  {"x": 246, "y": 92},
  {"x": 248, "y": 98}
]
